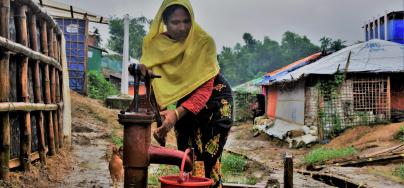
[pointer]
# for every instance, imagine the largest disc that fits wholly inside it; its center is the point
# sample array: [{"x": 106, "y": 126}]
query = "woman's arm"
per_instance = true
[{"x": 194, "y": 104}]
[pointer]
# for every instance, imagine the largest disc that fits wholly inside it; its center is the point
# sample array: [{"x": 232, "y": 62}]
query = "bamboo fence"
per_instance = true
[{"x": 31, "y": 105}]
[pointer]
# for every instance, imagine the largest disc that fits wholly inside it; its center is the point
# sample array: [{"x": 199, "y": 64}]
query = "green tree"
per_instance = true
[
  {"x": 325, "y": 43},
  {"x": 254, "y": 58},
  {"x": 136, "y": 33},
  {"x": 329, "y": 45},
  {"x": 97, "y": 37},
  {"x": 295, "y": 46}
]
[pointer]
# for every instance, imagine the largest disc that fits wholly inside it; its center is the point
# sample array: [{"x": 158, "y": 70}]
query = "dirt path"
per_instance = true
[
  {"x": 91, "y": 166},
  {"x": 270, "y": 152},
  {"x": 267, "y": 152},
  {"x": 92, "y": 126}
]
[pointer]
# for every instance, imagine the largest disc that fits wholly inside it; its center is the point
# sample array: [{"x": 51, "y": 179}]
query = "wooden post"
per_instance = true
[
  {"x": 85, "y": 57},
  {"x": 59, "y": 90},
  {"x": 49, "y": 119},
  {"x": 22, "y": 38},
  {"x": 4, "y": 91},
  {"x": 37, "y": 92},
  {"x": 59, "y": 113},
  {"x": 288, "y": 171},
  {"x": 52, "y": 53},
  {"x": 388, "y": 99}
]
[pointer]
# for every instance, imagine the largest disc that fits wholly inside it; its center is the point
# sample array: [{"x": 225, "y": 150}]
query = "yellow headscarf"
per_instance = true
[{"x": 184, "y": 66}]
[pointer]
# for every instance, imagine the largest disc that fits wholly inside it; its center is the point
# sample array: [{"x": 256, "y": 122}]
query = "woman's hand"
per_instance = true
[{"x": 170, "y": 118}]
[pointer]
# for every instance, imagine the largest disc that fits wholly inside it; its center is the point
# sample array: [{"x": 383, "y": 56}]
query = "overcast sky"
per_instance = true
[{"x": 227, "y": 20}]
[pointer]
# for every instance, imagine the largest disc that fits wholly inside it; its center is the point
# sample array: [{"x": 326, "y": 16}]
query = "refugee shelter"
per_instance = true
[
  {"x": 245, "y": 96},
  {"x": 74, "y": 23},
  {"x": 358, "y": 85}
]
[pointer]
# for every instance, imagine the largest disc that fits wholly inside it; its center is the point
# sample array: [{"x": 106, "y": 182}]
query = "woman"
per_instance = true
[{"x": 185, "y": 56}]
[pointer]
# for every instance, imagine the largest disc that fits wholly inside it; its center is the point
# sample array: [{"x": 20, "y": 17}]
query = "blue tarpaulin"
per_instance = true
[
  {"x": 396, "y": 31},
  {"x": 75, "y": 35}
]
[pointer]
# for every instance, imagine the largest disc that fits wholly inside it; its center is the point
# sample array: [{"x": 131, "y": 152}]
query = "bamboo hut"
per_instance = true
[{"x": 31, "y": 85}]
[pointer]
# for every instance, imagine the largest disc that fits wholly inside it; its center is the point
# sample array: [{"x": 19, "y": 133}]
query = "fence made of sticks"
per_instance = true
[{"x": 31, "y": 102}]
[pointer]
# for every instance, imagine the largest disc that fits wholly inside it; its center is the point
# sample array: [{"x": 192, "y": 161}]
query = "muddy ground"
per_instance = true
[{"x": 85, "y": 164}]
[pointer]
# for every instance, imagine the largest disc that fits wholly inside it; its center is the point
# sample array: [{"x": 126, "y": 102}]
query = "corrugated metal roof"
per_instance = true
[
  {"x": 249, "y": 87},
  {"x": 371, "y": 56},
  {"x": 269, "y": 77}
]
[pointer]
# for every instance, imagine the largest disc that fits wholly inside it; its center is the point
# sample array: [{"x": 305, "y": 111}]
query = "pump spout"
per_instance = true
[{"x": 162, "y": 155}]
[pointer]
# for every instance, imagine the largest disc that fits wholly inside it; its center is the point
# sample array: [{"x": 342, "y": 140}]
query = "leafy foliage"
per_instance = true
[
  {"x": 98, "y": 87},
  {"x": 329, "y": 45},
  {"x": 324, "y": 154},
  {"x": 399, "y": 171},
  {"x": 400, "y": 134},
  {"x": 136, "y": 33},
  {"x": 255, "y": 58}
]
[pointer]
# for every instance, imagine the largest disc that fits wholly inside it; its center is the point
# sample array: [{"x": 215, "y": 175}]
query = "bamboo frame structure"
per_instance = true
[
  {"x": 28, "y": 107},
  {"x": 5, "y": 89},
  {"x": 36, "y": 66},
  {"x": 12, "y": 46},
  {"x": 48, "y": 34},
  {"x": 22, "y": 38},
  {"x": 37, "y": 91}
]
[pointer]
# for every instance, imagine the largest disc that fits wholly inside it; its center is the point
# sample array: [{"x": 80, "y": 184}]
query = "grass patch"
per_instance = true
[
  {"x": 117, "y": 140},
  {"x": 233, "y": 163},
  {"x": 399, "y": 171},
  {"x": 324, "y": 154},
  {"x": 163, "y": 170},
  {"x": 233, "y": 170},
  {"x": 400, "y": 134}
]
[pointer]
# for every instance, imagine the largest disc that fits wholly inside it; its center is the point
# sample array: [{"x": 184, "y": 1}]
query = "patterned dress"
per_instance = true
[{"x": 207, "y": 131}]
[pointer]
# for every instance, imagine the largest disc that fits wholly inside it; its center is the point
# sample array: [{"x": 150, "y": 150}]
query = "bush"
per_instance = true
[
  {"x": 399, "y": 171},
  {"x": 324, "y": 154},
  {"x": 400, "y": 134},
  {"x": 98, "y": 87}
]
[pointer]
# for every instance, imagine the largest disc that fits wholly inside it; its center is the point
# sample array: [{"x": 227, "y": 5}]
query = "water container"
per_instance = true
[{"x": 177, "y": 181}]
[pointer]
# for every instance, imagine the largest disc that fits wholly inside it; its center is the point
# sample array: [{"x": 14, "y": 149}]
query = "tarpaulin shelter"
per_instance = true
[
  {"x": 73, "y": 21},
  {"x": 244, "y": 97},
  {"x": 338, "y": 91}
]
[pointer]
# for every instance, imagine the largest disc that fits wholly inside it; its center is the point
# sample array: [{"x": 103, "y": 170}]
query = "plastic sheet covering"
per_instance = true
[
  {"x": 290, "y": 104},
  {"x": 371, "y": 56},
  {"x": 396, "y": 31},
  {"x": 75, "y": 36}
]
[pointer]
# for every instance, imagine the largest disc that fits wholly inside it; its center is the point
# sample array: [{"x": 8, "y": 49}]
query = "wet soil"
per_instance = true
[
  {"x": 85, "y": 164},
  {"x": 366, "y": 139},
  {"x": 269, "y": 153}
]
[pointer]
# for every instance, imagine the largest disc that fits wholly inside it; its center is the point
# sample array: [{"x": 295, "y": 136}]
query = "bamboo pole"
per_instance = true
[
  {"x": 4, "y": 91},
  {"x": 18, "y": 48},
  {"x": 37, "y": 92},
  {"x": 28, "y": 107},
  {"x": 52, "y": 53},
  {"x": 22, "y": 38},
  {"x": 60, "y": 125},
  {"x": 85, "y": 57},
  {"x": 34, "y": 8},
  {"x": 49, "y": 119}
]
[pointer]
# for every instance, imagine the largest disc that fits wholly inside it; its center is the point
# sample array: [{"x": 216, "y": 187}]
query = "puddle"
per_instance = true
[{"x": 91, "y": 167}]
